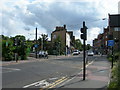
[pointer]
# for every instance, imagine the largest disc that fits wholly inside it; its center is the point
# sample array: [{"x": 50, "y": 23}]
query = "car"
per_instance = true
[
  {"x": 90, "y": 53},
  {"x": 76, "y": 52},
  {"x": 43, "y": 54}
]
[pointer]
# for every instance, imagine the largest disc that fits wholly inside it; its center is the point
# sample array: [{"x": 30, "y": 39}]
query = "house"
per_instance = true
[
  {"x": 100, "y": 43},
  {"x": 66, "y": 37},
  {"x": 114, "y": 30}
]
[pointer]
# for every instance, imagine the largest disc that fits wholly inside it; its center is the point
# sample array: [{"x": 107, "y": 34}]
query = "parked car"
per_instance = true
[
  {"x": 43, "y": 54},
  {"x": 76, "y": 52},
  {"x": 90, "y": 53}
]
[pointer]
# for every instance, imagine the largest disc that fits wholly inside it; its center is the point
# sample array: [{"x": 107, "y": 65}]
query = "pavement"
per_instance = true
[{"x": 97, "y": 76}]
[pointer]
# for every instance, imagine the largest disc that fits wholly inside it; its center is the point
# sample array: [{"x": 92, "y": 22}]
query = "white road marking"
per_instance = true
[
  {"x": 6, "y": 70},
  {"x": 11, "y": 69},
  {"x": 53, "y": 78},
  {"x": 42, "y": 83}
]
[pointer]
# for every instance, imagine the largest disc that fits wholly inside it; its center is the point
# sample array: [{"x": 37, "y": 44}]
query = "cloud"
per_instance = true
[
  {"x": 22, "y": 16},
  {"x": 92, "y": 34}
]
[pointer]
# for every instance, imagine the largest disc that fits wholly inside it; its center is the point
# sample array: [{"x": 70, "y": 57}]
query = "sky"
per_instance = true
[{"x": 21, "y": 17}]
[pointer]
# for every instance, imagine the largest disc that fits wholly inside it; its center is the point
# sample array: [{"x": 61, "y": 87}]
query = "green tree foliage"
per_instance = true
[
  {"x": 88, "y": 47},
  {"x": 7, "y": 48},
  {"x": 22, "y": 48},
  {"x": 58, "y": 46},
  {"x": 43, "y": 42},
  {"x": 78, "y": 44}
]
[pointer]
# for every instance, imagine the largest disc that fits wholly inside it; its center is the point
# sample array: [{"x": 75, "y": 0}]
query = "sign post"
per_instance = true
[{"x": 111, "y": 43}]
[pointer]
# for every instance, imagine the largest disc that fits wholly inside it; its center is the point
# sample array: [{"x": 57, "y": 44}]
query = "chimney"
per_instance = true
[{"x": 64, "y": 26}]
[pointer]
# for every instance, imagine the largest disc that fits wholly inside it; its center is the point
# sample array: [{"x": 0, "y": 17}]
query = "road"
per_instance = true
[{"x": 40, "y": 74}]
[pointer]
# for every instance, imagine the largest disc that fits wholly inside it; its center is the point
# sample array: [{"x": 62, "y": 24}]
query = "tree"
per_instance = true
[
  {"x": 58, "y": 46},
  {"x": 88, "y": 47},
  {"x": 43, "y": 42},
  {"x": 78, "y": 44},
  {"x": 7, "y": 48},
  {"x": 21, "y": 47}
]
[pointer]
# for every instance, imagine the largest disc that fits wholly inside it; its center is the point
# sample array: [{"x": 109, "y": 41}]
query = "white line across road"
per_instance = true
[
  {"x": 11, "y": 69},
  {"x": 6, "y": 70}
]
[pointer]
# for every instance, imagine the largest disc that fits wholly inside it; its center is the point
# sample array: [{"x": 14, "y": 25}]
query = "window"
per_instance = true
[{"x": 117, "y": 29}]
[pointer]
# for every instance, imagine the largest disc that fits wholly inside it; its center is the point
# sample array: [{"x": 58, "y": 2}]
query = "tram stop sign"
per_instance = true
[{"x": 110, "y": 42}]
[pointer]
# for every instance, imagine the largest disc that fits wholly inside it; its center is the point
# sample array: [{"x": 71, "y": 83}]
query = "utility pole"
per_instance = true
[
  {"x": 36, "y": 43},
  {"x": 84, "y": 37}
]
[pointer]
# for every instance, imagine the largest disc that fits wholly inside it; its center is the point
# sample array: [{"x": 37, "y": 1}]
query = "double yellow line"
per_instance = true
[
  {"x": 57, "y": 82},
  {"x": 60, "y": 80}
]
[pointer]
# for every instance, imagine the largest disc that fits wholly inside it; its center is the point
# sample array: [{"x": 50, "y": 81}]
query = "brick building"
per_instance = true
[
  {"x": 66, "y": 37},
  {"x": 114, "y": 29},
  {"x": 100, "y": 43}
]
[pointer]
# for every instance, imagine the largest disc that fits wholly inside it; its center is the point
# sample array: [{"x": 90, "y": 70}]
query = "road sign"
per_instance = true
[
  {"x": 36, "y": 45},
  {"x": 110, "y": 42}
]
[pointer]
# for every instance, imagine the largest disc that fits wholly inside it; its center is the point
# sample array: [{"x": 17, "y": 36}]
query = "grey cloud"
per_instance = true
[
  {"x": 27, "y": 28},
  {"x": 59, "y": 13}
]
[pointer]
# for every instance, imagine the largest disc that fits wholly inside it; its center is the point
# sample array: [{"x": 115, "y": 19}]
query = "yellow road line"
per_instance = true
[
  {"x": 55, "y": 83},
  {"x": 62, "y": 79},
  {"x": 58, "y": 83}
]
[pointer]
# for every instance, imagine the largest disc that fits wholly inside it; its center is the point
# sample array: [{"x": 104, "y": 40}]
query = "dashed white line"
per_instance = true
[
  {"x": 6, "y": 70},
  {"x": 11, "y": 69}
]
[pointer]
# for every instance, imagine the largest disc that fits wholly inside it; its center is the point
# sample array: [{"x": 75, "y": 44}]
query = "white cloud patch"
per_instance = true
[
  {"x": 92, "y": 33},
  {"x": 19, "y": 16}
]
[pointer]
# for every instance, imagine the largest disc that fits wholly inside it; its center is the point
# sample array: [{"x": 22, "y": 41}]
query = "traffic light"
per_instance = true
[
  {"x": 15, "y": 42},
  {"x": 84, "y": 33}
]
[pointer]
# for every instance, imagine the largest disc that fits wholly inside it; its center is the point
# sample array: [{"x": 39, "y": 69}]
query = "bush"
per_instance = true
[
  {"x": 116, "y": 55},
  {"x": 115, "y": 80},
  {"x": 109, "y": 57}
]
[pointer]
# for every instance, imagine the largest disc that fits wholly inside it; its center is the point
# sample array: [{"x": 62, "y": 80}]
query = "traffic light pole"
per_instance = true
[
  {"x": 84, "y": 55},
  {"x": 84, "y": 68}
]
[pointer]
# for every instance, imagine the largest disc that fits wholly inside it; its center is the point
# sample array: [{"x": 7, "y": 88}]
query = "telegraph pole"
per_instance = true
[
  {"x": 84, "y": 37},
  {"x": 36, "y": 43}
]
